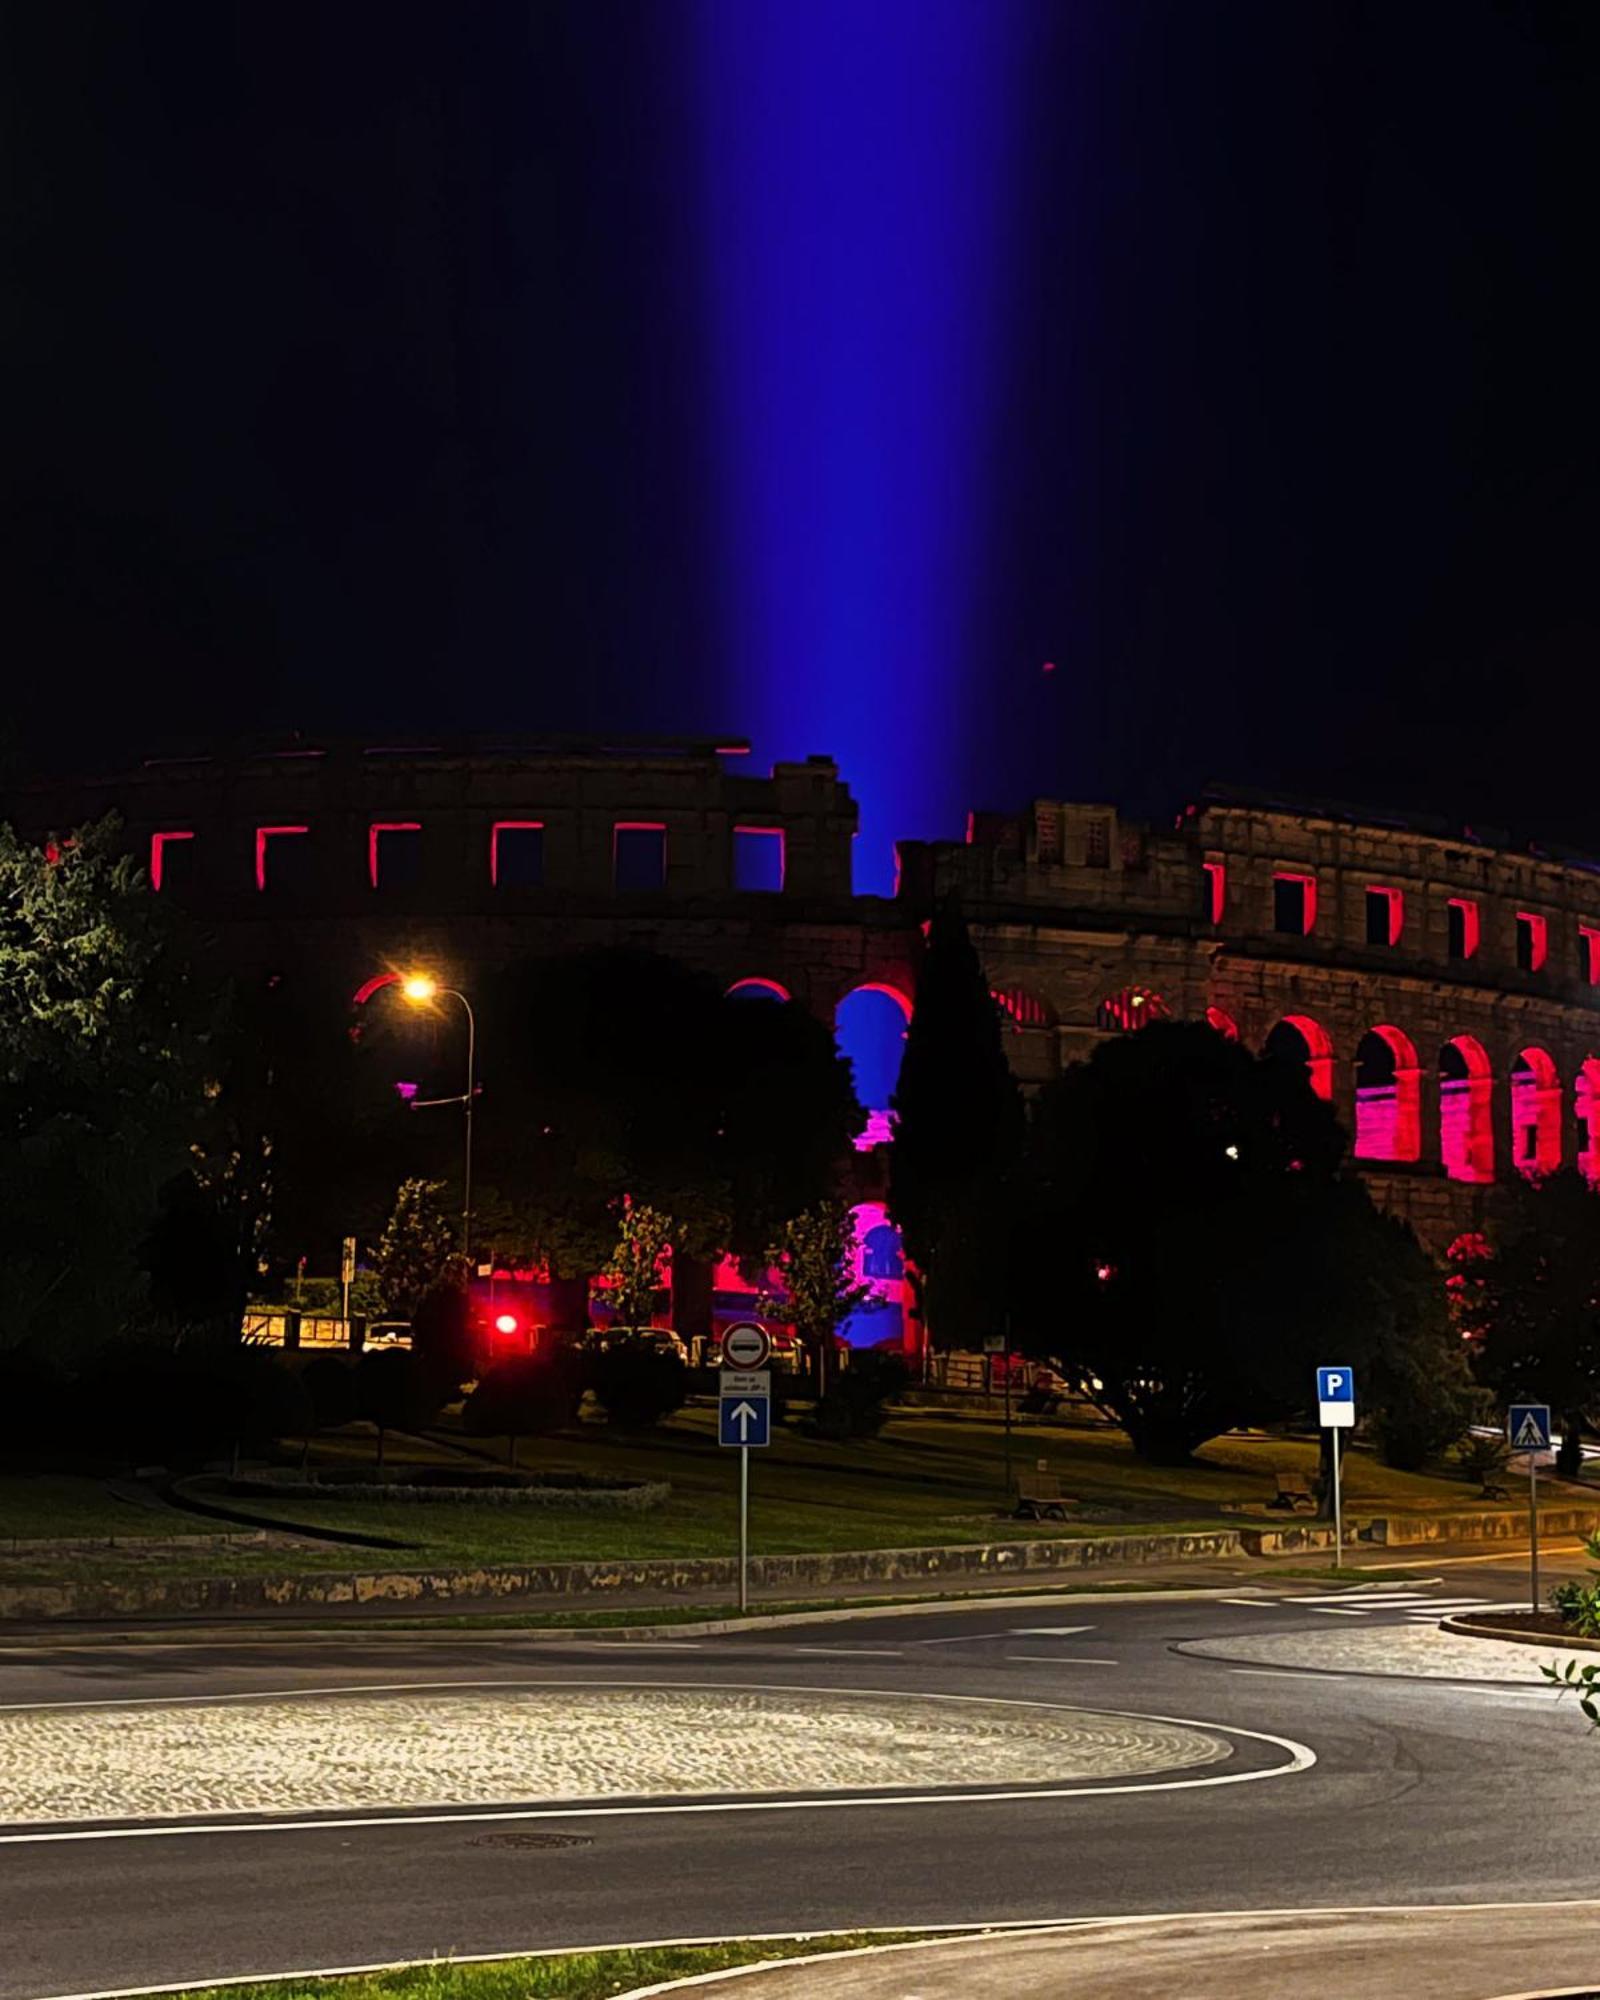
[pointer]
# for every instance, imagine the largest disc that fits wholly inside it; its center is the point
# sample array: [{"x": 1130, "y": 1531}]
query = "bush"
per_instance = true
[
  {"x": 1579, "y": 1603},
  {"x": 392, "y": 1392},
  {"x": 638, "y": 1385},
  {"x": 854, "y": 1404},
  {"x": 142, "y": 1404},
  {"x": 528, "y": 1396},
  {"x": 1482, "y": 1459},
  {"x": 330, "y": 1387}
]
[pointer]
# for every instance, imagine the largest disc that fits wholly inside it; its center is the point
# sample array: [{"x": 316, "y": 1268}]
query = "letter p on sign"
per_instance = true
[{"x": 1336, "y": 1398}]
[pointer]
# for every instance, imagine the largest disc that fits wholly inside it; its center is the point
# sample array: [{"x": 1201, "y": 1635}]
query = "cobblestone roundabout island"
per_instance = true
[{"x": 527, "y": 1744}]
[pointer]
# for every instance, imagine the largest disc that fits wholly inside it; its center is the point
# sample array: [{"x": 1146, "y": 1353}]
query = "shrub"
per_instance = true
[
  {"x": 638, "y": 1385},
  {"x": 1482, "y": 1458},
  {"x": 392, "y": 1392},
  {"x": 528, "y": 1396},
  {"x": 1579, "y": 1603},
  {"x": 330, "y": 1387},
  {"x": 854, "y": 1405}
]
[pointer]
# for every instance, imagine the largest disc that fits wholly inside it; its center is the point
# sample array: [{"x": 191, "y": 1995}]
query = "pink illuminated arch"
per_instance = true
[
  {"x": 1315, "y": 1050},
  {"x": 756, "y": 988},
  {"x": 1535, "y": 1113},
  {"x": 375, "y": 984},
  {"x": 1586, "y": 1104},
  {"x": 1388, "y": 1096},
  {"x": 1466, "y": 1118}
]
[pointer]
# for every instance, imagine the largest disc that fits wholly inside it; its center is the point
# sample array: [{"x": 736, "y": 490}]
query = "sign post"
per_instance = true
[
  {"x": 347, "y": 1273},
  {"x": 744, "y": 1420},
  {"x": 1528, "y": 1429},
  {"x": 997, "y": 1344},
  {"x": 1336, "y": 1411}
]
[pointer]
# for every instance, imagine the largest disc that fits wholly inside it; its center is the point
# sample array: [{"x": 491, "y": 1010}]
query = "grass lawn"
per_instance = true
[
  {"x": 571, "y": 1975},
  {"x": 925, "y": 1480},
  {"x": 34, "y": 1507}
]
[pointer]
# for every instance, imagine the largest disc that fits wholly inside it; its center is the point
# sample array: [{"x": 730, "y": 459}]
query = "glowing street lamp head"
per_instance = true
[{"x": 419, "y": 987}]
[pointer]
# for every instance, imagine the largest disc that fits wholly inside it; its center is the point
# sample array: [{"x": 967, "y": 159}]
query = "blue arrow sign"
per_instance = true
[
  {"x": 1528, "y": 1426},
  {"x": 744, "y": 1420},
  {"x": 1336, "y": 1385}
]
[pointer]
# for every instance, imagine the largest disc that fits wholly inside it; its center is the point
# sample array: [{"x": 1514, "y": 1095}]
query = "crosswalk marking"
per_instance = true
[{"x": 1411, "y": 1604}]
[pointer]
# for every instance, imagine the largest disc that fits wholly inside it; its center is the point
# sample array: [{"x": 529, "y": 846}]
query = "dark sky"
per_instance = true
[{"x": 357, "y": 377}]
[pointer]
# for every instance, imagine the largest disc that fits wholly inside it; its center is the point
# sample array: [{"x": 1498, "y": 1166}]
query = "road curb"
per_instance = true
[{"x": 54, "y": 1636}]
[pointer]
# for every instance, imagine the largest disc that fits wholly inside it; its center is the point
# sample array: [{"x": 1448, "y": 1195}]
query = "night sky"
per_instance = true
[{"x": 817, "y": 371}]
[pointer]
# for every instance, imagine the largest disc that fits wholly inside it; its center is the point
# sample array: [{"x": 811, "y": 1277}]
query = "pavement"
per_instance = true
[
  {"x": 190, "y": 1808},
  {"x": 1440, "y": 1954}
]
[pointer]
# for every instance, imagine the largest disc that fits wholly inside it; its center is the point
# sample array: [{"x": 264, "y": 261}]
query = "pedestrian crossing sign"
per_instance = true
[{"x": 1528, "y": 1426}]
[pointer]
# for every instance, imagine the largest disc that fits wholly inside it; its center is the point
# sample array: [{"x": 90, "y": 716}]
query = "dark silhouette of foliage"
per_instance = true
[
  {"x": 1536, "y": 1308},
  {"x": 958, "y": 1135},
  {"x": 855, "y": 1403},
  {"x": 529, "y": 1395},
  {"x": 1195, "y": 1251},
  {"x": 637, "y": 1383},
  {"x": 393, "y": 1393}
]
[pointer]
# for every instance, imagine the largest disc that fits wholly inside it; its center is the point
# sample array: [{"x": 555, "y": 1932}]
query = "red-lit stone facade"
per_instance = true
[{"x": 1443, "y": 992}]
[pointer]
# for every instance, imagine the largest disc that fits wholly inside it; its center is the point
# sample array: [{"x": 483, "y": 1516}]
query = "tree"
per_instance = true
[
  {"x": 957, "y": 1138},
  {"x": 1195, "y": 1249},
  {"x": 443, "y": 1336},
  {"x": 815, "y": 1253},
  {"x": 637, "y": 1384},
  {"x": 417, "y": 1246},
  {"x": 529, "y": 1395},
  {"x": 644, "y": 1236},
  {"x": 106, "y": 1042},
  {"x": 1537, "y": 1303},
  {"x": 392, "y": 1392},
  {"x": 626, "y": 1075}
]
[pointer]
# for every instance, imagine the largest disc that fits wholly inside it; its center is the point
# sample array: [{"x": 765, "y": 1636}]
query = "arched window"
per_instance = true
[
  {"x": 1535, "y": 1113},
  {"x": 1466, "y": 1125},
  {"x": 1586, "y": 1104},
  {"x": 1021, "y": 1008},
  {"x": 880, "y": 1265},
  {"x": 870, "y": 1029},
  {"x": 881, "y": 1255},
  {"x": 1133, "y": 1007},
  {"x": 757, "y": 989},
  {"x": 1299, "y": 1039},
  {"x": 1225, "y": 1024},
  {"x": 1388, "y": 1097}
]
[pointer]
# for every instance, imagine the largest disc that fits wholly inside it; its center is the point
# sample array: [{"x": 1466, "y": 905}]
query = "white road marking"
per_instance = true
[
  {"x": 1063, "y": 1660},
  {"x": 1335, "y": 1611},
  {"x": 852, "y": 1652},
  {"x": 1047, "y": 1631}
]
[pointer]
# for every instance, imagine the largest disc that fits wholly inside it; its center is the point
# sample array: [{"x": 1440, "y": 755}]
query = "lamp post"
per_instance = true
[{"x": 420, "y": 990}]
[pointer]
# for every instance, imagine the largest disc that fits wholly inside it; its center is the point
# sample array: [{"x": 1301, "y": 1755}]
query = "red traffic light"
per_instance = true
[{"x": 506, "y": 1323}]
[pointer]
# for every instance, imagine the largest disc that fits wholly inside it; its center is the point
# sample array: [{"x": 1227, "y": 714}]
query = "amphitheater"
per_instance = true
[{"x": 1440, "y": 985}]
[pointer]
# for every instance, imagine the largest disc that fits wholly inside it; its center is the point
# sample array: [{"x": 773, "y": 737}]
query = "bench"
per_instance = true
[
  {"x": 1293, "y": 1494},
  {"x": 1040, "y": 1498}
]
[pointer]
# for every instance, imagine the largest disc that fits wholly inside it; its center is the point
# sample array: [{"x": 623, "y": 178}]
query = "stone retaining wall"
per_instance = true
[{"x": 695, "y": 1577}]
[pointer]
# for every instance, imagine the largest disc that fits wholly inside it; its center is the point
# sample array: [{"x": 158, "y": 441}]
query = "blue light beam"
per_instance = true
[{"x": 861, "y": 169}]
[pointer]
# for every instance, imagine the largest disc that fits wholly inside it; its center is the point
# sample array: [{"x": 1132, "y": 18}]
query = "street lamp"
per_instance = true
[{"x": 419, "y": 989}]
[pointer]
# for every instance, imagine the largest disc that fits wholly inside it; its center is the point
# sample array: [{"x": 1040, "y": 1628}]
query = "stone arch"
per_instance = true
[
  {"x": 1021, "y": 1008},
  {"x": 1133, "y": 1007},
  {"x": 879, "y": 1264},
  {"x": 758, "y": 988},
  {"x": 1535, "y": 1112},
  {"x": 870, "y": 1030},
  {"x": 1299, "y": 1039},
  {"x": 1586, "y": 1108},
  {"x": 1388, "y": 1096},
  {"x": 1466, "y": 1116}
]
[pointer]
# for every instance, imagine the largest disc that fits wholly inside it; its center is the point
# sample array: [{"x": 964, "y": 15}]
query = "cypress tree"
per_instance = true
[{"x": 957, "y": 1138}]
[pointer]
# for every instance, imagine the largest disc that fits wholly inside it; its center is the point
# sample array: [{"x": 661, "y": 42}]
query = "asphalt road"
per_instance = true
[{"x": 1419, "y": 1793}]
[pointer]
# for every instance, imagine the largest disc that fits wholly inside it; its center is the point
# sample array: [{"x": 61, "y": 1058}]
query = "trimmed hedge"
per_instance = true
[{"x": 577, "y": 1494}]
